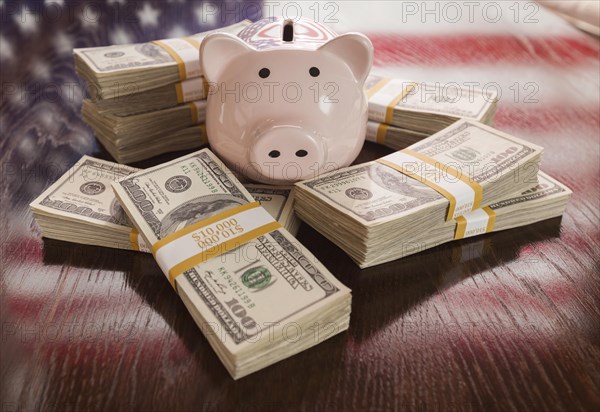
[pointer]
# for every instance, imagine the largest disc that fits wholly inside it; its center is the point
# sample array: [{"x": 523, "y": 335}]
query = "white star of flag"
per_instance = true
[
  {"x": 6, "y": 49},
  {"x": 27, "y": 20},
  {"x": 177, "y": 31},
  {"x": 57, "y": 2},
  {"x": 120, "y": 36},
  {"x": 63, "y": 43},
  {"x": 40, "y": 69},
  {"x": 73, "y": 93},
  {"x": 148, "y": 16}
]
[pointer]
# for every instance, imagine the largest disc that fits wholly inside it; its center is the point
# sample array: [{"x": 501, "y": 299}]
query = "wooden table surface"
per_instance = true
[{"x": 505, "y": 321}]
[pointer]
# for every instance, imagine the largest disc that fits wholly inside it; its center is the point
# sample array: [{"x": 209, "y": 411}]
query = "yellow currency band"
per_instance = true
[
  {"x": 461, "y": 227},
  {"x": 429, "y": 183},
  {"x": 492, "y": 220},
  {"x": 452, "y": 171},
  {"x": 215, "y": 250},
  {"x": 389, "y": 112},
  {"x": 193, "y": 42},
  {"x": 175, "y": 56},
  {"x": 382, "y": 130},
  {"x": 194, "y": 113},
  {"x": 133, "y": 239},
  {"x": 179, "y": 91},
  {"x": 378, "y": 86},
  {"x": 461, "y": 223},
  {"x": 203, "y": 135},
  {"x": 477, "y": 189}
]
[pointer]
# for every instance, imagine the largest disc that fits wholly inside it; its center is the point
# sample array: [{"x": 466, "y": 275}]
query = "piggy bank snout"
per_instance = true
[{"x": 287, "y": 154}]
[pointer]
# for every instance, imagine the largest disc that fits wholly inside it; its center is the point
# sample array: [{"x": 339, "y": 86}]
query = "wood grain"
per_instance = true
[{"x": 506, "y": 321}]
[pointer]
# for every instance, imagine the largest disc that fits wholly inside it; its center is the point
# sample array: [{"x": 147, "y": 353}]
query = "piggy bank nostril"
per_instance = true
[
  {"x": 274, "y": 153},
  {"x": 301, "y": 153},
  {"x": 264, "y": 73}
]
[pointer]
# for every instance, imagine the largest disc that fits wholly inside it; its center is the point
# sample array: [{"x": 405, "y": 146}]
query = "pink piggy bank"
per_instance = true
[{"x": 286, "y": 98}]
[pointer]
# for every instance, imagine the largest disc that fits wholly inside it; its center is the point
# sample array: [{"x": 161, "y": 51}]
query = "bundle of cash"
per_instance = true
[
  {"x": 393, "y": 137},
  {"x": 155, "y": 99},
  {"x": 245, "y": 280},
  {"x": 81, "y": 207},
  {"x": 147, "y": 134},
  {"x": 116, "y": 71},
  {"x": 370, "y": 209},
  {"x": 426, "y": 107},
  {"x": 146, "y": 99},
  {"x": 129, "y": 152}
]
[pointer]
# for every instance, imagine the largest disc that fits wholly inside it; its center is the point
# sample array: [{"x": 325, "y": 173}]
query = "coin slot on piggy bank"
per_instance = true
[
  {"x": 287, "y": 100},
  {"x": 288, "y": 31}
]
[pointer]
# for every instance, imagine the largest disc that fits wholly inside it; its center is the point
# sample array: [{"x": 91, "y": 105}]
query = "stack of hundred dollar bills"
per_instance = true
[
  {"x": 246, "y": 281},
  {"x": 408, "y": 201},
  {"x": 403, "y": 112},
  {"x": 257, "y": 294},
  {"x": 146, "y": 99}
]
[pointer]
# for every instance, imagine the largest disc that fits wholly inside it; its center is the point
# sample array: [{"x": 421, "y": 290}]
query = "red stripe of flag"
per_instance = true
[
  {"x": 471, "y": 49},
  {"x": 539, "y": 117}
]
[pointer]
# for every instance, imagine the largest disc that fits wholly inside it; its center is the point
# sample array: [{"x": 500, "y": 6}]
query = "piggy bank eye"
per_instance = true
[
  {"x": 264, "y": 73},
  {"x": 314, "y": 72}
]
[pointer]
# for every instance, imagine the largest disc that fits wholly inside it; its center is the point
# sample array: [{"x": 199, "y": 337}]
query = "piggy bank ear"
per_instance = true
[
  {"x": 355, "y": 50},
  {"x": 217, "y": 51}
]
